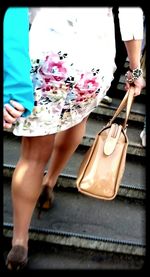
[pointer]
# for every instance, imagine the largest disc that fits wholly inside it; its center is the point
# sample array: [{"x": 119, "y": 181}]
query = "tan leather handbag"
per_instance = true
[{"x": 103, "y": 166}]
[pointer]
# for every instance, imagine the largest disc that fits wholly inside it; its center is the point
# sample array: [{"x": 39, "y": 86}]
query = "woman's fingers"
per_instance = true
[
  {"x": 11, "y": 112},
  {"x": 7, "y": 125},
  {"x": 8, "y": 116},
  {"x": 17, "y": 105},
  {"x": 138, "y": 84}
]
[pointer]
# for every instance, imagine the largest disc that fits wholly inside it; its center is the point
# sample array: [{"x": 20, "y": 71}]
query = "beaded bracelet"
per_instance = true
[{"x": 133, "y": 75}]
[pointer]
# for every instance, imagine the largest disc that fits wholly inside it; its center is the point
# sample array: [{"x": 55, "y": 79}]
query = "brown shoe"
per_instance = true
[
  {"x": 17, "y": 258},
  {"x": 46, "y": 199}
]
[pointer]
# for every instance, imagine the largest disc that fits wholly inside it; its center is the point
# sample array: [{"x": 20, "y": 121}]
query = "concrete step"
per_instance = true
[
  {"x": 49, "y": 256},
  {"x": 79, "y": 221},
  {"x": 137, "y": 113},
  {"x": 94, "y": 125},
  {"x": 133, "y": 183}
]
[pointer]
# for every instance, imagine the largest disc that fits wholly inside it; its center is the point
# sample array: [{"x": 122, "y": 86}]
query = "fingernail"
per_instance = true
[{"x": 12, "y": 102}]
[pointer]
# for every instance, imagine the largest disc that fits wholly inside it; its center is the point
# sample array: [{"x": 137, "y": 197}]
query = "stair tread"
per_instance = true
[
  {"x": 117, "y": 221},
  {"x": 95, "y": 124},
  {"x": 137, "y": 108},
  {"x": 47, "y": 256},
  {"x": 134, "y": 175}
]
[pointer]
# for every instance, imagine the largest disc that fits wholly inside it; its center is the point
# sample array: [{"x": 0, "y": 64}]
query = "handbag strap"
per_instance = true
[
  {"x": 129, "y": 104},
  {"x": 126, "y": 102}
]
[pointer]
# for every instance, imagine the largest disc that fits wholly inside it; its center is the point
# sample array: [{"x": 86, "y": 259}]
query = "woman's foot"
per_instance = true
[
  {"x": 17, "y": 258},
  {"x": 46, "y": 199}
]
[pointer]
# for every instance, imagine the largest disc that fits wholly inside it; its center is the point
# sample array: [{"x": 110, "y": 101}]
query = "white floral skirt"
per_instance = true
[{"x": 63, "y": 94}]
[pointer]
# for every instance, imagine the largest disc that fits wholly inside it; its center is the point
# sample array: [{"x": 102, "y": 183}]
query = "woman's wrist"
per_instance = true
[{"x": 133, "y": 74}]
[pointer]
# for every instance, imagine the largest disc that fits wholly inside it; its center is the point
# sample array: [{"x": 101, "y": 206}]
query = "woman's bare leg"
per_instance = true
[
  {"x": 26, "y": 183},
  {"x": 65, "y": 145}
]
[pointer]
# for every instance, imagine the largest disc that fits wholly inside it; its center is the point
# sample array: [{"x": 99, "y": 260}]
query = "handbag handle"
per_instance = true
[
  {"x": 129, "y": 104},
  {"x": 126, "y": 102}
]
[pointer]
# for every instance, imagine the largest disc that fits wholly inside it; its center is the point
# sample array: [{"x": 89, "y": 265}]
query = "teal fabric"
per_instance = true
[{"x": 17, "y": 84}]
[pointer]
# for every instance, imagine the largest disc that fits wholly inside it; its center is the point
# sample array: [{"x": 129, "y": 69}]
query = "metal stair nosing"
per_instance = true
[
  {"x": 68, "y": 181},
  {"x": 80, "y": 240},
  {"x": 106, "y": 110},
  {"x": 133, "y": 148}
]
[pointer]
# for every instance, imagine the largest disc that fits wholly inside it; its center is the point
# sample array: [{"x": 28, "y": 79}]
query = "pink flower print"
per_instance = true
[
  {"x": 53, "y": 69},
  {"x": 88, "y": 83}
]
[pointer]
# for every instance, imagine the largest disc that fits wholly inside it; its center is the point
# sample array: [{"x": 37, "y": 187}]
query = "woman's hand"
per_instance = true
[
  {"x": 11, "y": 113},
  {"x": 139, "y": 84}
]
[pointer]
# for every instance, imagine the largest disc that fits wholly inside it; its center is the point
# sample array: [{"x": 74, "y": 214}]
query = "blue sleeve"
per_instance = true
[{"x": 17, "y": 83}]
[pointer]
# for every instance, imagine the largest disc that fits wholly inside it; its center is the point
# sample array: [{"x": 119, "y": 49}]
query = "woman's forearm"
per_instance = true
[
  {"x": 134, "y": 52},
  {"x": 131, "y": 21}
]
